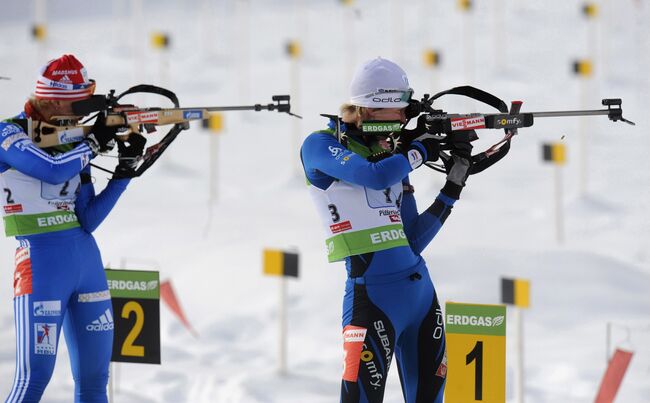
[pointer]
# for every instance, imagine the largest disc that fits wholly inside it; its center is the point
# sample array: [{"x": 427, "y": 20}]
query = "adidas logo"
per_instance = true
[{"x": 102, "y": 324}]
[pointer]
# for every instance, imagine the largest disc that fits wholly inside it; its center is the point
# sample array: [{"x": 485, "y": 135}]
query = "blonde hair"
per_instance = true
[
  {"x": 48, "y": 108},
  {"x": 353, "y": 113},
  {"x": 42, "y": 103},
  {"x": 38, "y": 103}
]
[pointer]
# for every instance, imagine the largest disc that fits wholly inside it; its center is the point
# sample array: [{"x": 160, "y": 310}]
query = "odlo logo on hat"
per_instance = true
[{"x": 64, "y": 79}]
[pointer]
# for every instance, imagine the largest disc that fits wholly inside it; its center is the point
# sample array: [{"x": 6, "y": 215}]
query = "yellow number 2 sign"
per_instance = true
[
  {"x": 135, "y": 296},
  {"x": 476, "y": 353}
]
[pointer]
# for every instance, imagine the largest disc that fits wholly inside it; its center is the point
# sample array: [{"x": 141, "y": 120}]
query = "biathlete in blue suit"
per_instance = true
[
  {"x": 50, "y": 206},
  {"x": 366, "y": 202}
]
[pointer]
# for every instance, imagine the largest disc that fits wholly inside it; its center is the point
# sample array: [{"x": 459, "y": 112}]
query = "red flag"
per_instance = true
[
  {"x": 169, "y": 297},
  {"x": 613, "y": 376}
]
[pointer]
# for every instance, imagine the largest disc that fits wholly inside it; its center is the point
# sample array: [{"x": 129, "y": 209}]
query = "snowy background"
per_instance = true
[{"x": 206, "y": 233}]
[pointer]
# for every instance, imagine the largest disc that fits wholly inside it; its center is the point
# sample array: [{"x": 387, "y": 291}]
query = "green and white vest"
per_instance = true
[
  {"x": 358, "y": 219},
  {"x": 31, "y": 206}
]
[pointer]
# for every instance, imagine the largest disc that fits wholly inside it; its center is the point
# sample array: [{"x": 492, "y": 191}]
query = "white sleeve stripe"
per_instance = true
[
  {"x": 47, "y": 156},
  {"x": 57, "y": 160}
]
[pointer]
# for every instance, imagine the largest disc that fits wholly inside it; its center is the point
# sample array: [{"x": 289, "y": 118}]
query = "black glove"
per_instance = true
[
  {"x": 431, "y": 145},
  {"x": 419, "y": 145},
  {"x": 101, "y": 138},
  {"x": 129, "y": 154},
  {"x": 423, "y": 149},
  {"x": 459, "y": 162}
]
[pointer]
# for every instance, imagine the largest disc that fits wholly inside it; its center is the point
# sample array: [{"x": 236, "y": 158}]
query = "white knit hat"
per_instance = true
[{"x": 380, "y": 83}]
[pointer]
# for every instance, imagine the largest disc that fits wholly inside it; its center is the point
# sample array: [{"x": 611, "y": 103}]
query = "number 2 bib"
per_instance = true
[{"x": 34, "y": 207}]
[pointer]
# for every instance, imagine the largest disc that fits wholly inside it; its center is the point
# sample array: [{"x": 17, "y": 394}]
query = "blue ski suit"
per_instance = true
[
  {"x": 59, "y": 280},
  {"x": 390, "y": 305}
]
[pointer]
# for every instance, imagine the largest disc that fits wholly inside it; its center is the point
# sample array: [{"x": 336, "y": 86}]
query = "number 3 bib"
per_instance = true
[{"x": 358, "y": 219}]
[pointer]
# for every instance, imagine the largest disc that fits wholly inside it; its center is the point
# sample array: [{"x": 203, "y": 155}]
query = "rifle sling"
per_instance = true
[
  {"x": 151, "y": 89},
  {"x": 477, "y": 94}
]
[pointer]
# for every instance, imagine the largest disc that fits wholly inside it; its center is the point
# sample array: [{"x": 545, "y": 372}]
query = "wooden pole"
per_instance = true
[
  {"x": 468, "y": 50},
  {"x": 349, "y": 44},
  {"x": 282, "y": 315},
  {"x": 164, "y": 68},
  {"x": 559, "y": 210},
  {"x": 296, "y": 123},
  {"x": 397, "y": 16},
  {"x": 592, "y": 39},
  {"x": 207, "y": 20},
  {"x": 608, "y": 342},
  {"x": 40, "y": 17},
  {"x": 214, "y": 172},
  {"x": 605, "y": 40},
  {"x": 583, "y": 146},
  {"x": 244, "y": 46},
  {"x": 519, "y": 386},
  {"x": 468, "y": 42},
  {"x": 110, "y": 383},
  {"x": 137, "y": 51},
  {"x": 120, "y": 25},
  {"x": 500, "y": 37},
  {"x": 213, "y": 180}
]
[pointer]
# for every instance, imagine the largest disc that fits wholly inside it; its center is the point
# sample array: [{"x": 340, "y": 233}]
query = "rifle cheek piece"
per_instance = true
[{"x": 93, "y": 104}]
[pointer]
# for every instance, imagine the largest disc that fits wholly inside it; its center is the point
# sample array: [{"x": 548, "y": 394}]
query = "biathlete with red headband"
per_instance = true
[{"x": 50, "y": 206}]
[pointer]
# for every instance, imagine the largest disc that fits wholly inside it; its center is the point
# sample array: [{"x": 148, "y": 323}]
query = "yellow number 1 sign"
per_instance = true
[{"x": 476, "y": 353}]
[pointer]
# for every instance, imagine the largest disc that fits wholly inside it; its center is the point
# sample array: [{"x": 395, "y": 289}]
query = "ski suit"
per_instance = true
[
  {"x": 390, "y": 304},
  {"x": 51, "y": 208}
]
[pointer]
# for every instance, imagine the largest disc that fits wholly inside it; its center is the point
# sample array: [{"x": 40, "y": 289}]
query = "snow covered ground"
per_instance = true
[{"x": 225, "y": 53}]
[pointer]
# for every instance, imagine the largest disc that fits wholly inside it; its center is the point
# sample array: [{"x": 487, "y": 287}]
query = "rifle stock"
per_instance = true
[{"x": 132, "y": 119}]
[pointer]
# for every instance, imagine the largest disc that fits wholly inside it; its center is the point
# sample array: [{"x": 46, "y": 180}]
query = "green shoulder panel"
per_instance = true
[
  {"x": 325, "y": 131},
  {"x": 362, "y": 149}
]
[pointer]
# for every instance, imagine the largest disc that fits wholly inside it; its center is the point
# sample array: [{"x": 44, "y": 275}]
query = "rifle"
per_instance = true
[
  {"x": 450, "y": 128},
  {"x": 131, "y": 119}
]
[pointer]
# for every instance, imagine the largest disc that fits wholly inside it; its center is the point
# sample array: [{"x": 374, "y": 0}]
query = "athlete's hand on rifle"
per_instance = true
[
  {"x": 129, "y": 153},
  {"x": 422, "y": 143},
  {"x": 459, "y": 162},
  {"x": 101, "y": 138},
  {"x": 431, "y": 146}
]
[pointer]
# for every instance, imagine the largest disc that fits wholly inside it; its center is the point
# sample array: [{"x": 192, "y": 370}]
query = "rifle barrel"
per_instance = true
[
  {"x": 230, "y": 108},
  {"x": 570, "y": 113},
  {"x": 256, "y": 107}
]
